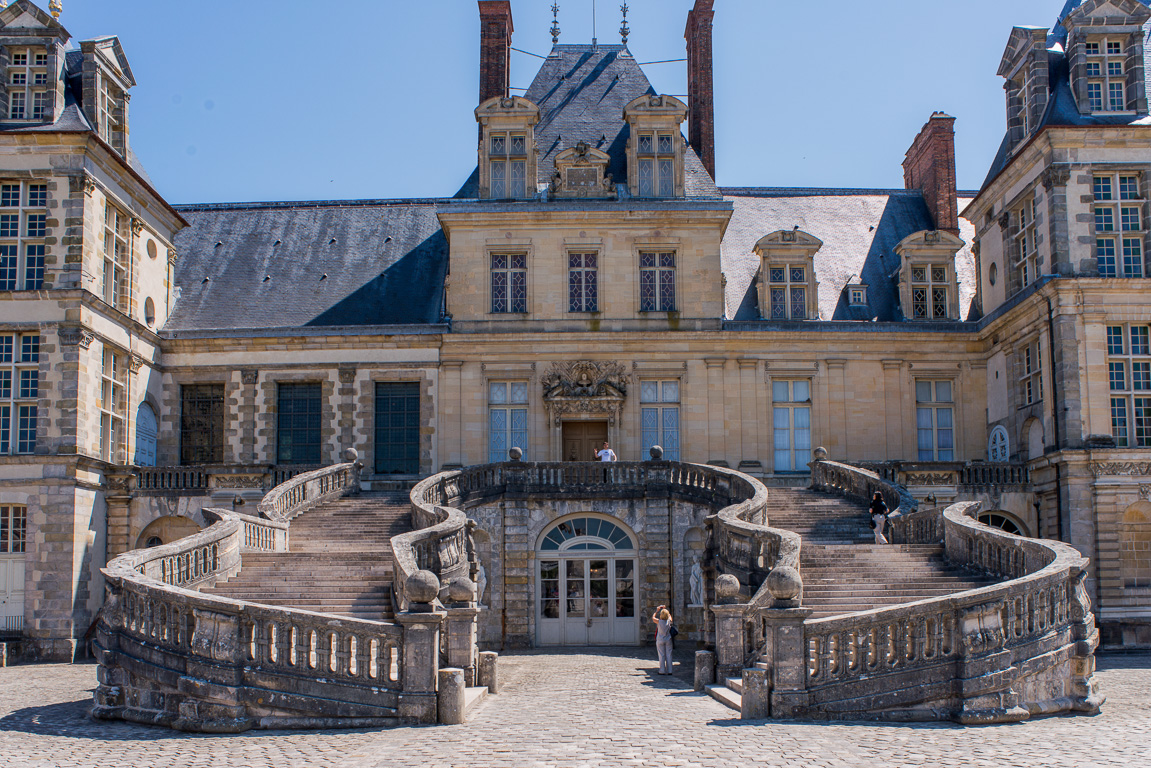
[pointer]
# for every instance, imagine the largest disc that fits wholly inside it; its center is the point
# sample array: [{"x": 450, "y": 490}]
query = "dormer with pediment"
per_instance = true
[
  {"x": 1105, "y": 53},
  {"x": 581, "y": 173},
  {"x": 655, "y": 147},
  {"x": 507, "y": 154},
  {"x": 32, "y": 64},
  {"x": 1027, "y": 81},
  {"x": 787, "y": 287},
  {"x": 928, "y": 286},
  {"x": 105, "y": 79}
]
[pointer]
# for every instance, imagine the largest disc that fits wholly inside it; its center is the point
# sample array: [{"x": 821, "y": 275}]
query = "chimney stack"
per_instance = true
[
  {"x": 930, "y": 168},
  {"x": 495, "y": 48},
  {"x": 700, "y": 99}
]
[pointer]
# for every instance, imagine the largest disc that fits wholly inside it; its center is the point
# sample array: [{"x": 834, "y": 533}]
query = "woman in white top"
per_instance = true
[
  {"x": 662, "y": 619},
  {"x": 607, "y": 454}
]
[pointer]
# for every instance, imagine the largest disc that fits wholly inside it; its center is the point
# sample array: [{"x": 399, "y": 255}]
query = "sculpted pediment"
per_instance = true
[
  {"x": 581, "y": 172},
  {"x": 585, "y": 387}
]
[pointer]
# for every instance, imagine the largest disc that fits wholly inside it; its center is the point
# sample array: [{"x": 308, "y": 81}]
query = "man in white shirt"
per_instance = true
[{"x": 607, "y": 454}]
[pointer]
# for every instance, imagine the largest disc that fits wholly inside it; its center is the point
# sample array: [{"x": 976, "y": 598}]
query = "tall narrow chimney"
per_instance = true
[
  {"x": 495, "y": 48},
  {"x": 700, "y": 100},
  {"x": 930, "y": 168}
]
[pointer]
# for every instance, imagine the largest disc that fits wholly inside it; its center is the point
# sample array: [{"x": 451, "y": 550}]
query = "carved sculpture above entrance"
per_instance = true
[{"x": 585, "y": 387}]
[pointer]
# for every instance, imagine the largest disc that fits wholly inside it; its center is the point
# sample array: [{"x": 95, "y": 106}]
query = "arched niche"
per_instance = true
[
  {"x": 147, "y": 432},
  {"x": 1033, "y": 438}
]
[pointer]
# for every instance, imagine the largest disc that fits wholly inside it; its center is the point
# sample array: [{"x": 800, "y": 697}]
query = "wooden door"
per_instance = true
[{"x": 582, "y": 439}]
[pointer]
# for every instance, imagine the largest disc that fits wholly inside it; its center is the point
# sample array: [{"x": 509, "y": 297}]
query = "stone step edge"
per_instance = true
[{"x": 725, "y": 696}]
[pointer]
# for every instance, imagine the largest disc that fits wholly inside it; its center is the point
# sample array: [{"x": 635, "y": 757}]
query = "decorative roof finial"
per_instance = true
[
  {"x": 624, "y": 29},
  {"x": 555, "y": 23},
  {"x": 55, "y": 8}
]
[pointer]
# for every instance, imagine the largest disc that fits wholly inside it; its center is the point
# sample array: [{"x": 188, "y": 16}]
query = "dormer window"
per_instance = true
[
  {"x": 27, "y": 78},
  {"x": 929, "y": 292},
  {"x": 857, "y": 295},
  {"x": 111, "y": 108},
  {"x": 507, "y": 157},
  {"x": 656, "y": 148},
  {"x": 656, "y": 155},
  {"x": 787, "y": 290},
  {"x": 928, "y": 288},
  {"x": 1106, "y": 75},
  {"x": 787, "y": 287}
]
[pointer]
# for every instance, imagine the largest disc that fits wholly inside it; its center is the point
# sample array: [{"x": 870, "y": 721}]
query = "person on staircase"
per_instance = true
[
  {"x": 878, "y": 510},
  {"x": 662, "y": 619}
]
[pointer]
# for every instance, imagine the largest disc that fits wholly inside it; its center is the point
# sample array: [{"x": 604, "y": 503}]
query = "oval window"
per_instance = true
[
  {"x": 152, "y": 249},
  {"x": 149, "y": 311},
  {"x": 993, "y": 273}
]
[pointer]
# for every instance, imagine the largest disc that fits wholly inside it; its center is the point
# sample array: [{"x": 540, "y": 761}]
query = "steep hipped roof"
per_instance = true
[
  {"x": 285, "y": 265},
  {"x": 581, "y": 91},
  {"x": 859, "y": 229}
]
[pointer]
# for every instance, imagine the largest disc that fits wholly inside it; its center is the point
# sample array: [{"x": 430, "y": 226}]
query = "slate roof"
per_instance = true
[
  {"x": 581, "y": 92},
  {"x": 291, "y": 265},
  {"x": 859, "y": 229}
]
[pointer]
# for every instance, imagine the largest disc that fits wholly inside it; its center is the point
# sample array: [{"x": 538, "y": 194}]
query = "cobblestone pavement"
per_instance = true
[{"x": 579, "y": 708}]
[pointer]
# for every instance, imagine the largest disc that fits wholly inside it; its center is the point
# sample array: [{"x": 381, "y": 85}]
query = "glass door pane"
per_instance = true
[
  {"x": 597, "y": 588},
  {"x": 625, "y": 589},
  {"x": 576, "y": 596},
  {"x": 550, "y": 589}
]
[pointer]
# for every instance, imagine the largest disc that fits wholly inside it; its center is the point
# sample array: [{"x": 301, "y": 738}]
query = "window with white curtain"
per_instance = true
[
  {"x": 935, "y": 420},
  {"x": 791, "y": 422},
  {"x": 659, "y": 416},
  {"x": 507, "y": 419}
]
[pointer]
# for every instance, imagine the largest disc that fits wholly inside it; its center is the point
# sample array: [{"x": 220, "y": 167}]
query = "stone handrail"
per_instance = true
[
  {"x": 922, "y": 526},
  {"x": 966, "y": 476},
  {"x": 861, "y": 484},
  {"x": 965, "y": 652},
  {"x": 306, "y": 490}
]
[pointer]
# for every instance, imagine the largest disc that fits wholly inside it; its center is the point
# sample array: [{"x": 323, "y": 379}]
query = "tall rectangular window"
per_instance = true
[
  {"x": 19, "y": 392},
  {"x": 507, "y": 155},
  {"x": 657, "y": 282},
  {"x": 1031, "y": 373},
  {"x": 1118, "y": 221},
  {"x": 23, "y": 229},
  {"x": 507, "y": 419},
  {"x": 791, "y": 424},
  {"x": 656, "y": 164},
  {"x": 583, "y": 282},
  {"x": 935, "y": 420},
  {"x": 787, "y": 291},
  {"x": 13, "y": 529},
  {"x": 113, "y": 404},
  {"x": 26, "y": 77},
  {"x": 298, "y": 423},
  {"x": 398, "y": 427},
  {"x": 202, "y": 424},
  {"x": 929, "y": 292},
  {"x": 659, "y": 416},
  {"x": 509, "y": 283},
  {"x": 1129, "y": 377},
  {"x": 1027, "y": 251},
  {"x": 114, "y": 284},
  {"x": 1105, "y": 68}
]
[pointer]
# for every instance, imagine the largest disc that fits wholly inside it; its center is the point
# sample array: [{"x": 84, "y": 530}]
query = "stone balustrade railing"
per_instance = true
[
  {"x": 861, "y": 484},
  {"x": 201, "y": 479},
  {"x": 994, "y": 654},
  {"x": 172, "y": 655},
  {"x": 965, "y": 477},
  {"x": 306, "y": 490}
]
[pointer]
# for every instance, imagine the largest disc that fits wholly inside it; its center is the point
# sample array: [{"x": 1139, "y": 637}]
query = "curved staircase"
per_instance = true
[
  {"x": 845, "y": 571},
  {"x": 340, "y": 560}
]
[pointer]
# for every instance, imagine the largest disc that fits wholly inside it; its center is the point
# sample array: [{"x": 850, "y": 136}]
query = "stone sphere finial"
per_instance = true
[
  {"x": 422, "y": 587},
  {"x": 820, "y": 453},
  {"x": 726, "y": 588},
  {"x": 350, "y": 455},
  {"x": 656, "y": 452},
  {"x": 784, "y": 584},
  {"x": 516, "y": 453},
  {"x": 461, "y": 590}
]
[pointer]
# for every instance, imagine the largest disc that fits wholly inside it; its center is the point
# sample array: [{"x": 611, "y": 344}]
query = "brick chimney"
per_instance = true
[
  {"x": 495, "y": 48},
  {"x": 930, "y": 168},
  {"x": 700, "y": 99}
]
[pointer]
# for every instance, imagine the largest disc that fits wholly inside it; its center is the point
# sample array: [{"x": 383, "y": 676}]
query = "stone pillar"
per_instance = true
[
  {"x": 488, "y": 675},
  {"x": 118, "y": 497},
  {"x": 716, "y": 416},
  {"x": 461, "y": 628},
  {"x": 451, "y": 696},
  {"x": 704, "y": 669},
  {"x": 787, "y": 659},
  {"x": 422, "y": 623},
  {"x": 213, "y": 674},
  {"x": 731, "y": 650},
  {"x": 755, "y": 698},
  {"x": 749, "y": 429}
]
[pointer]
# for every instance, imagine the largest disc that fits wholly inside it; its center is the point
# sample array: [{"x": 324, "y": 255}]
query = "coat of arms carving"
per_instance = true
[{"x": 585, "y": 386}]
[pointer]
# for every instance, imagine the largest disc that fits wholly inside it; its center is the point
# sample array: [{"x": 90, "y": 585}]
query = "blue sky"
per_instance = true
[{"x": 301, "y": 100}]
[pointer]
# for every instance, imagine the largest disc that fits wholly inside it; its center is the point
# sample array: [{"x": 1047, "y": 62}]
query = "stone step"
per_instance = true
[
  {"x": 735, "y": 684},
  {"x": 725, "y": 696},
  {"x": 473, "y": 697}
]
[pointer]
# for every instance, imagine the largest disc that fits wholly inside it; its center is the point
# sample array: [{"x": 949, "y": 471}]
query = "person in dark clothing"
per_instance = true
[{"x": 878, "y": 510}]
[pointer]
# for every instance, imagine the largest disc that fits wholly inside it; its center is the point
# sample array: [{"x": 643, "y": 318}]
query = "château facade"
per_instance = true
[{"x": 590, "y": 281}]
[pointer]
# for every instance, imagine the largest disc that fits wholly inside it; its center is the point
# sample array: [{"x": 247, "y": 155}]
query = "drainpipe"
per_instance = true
[{"x": 1055, "y": 418}]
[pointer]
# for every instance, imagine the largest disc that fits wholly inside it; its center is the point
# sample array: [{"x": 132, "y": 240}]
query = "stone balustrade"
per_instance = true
[
  {"x": 967, "y": 478},
  {"x": 202, "y": 479},
  {"x": 861, "y": 485},
  {"x": 306, "y": 490}
]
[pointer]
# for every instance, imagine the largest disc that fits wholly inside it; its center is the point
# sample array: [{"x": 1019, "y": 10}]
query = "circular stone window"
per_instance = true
[
  {"x": 993, "y": 273},
  {"x": 152, "y": 249}
]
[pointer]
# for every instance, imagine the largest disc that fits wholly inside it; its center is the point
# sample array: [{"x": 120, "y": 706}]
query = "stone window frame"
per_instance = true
[
  {"x": 659, "y": 269},
  {"x": 1029, "y": 364},
  {"x": 113, "y": 403},
  {"x": 1120, "y": 251},
  {"x": 511, "y": 251},
  {"x": 184, "y": 450},
  {"x": 31, "y": 84},
  {"x": 999, "y": 444},
  {"x": 318, "y": 383},
  {"x": 13, "y": 529},
  {"x": 508, "y": 116},
  {"x": 583, "y": 299},
  {"x": 930, "y": 251},
  {"x": 1105, "y": 78},
  {"x": 111, "y": 109},
  {"x": 788, "y": 249},
  {"x": 1025, "y": 236},
  {"x": 28, "y": 268},
  {"x": 936, "y": 406},
  {"x": 1127, "y": 400},
  {"x": 118, "y": 291},
  {"x": 857, "y": 295},
  {"x": 364, "y": 398},
  {"x": 655, "y": 115},
  {"x": 792, "y": 405},
  {"x": 23, "y": 360},
  {"x": 660, "y": 405}
]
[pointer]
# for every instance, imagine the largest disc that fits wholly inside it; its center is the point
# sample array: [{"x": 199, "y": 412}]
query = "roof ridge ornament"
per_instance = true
[
  {"x": 55, "y": 8},
  {"x": 555, "y": 23},
  {"x": 624, "y": 29}
]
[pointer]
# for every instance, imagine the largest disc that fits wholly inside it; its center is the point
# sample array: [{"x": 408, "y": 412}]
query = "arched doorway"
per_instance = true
[
  {"x": 165, "y": 530},
  {"x": 1002, "y": 521},
  {"x": 586, "y": 583}
]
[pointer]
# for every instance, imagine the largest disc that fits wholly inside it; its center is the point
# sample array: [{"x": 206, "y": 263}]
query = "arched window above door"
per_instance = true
[{"x": 586, "y": 533}]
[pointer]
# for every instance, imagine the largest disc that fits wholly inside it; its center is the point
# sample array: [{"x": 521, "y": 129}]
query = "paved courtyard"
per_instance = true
[{"x": 580, "y": 708}]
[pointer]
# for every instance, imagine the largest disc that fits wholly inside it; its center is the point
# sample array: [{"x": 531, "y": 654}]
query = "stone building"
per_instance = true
[{"x": 590, "y": 281}]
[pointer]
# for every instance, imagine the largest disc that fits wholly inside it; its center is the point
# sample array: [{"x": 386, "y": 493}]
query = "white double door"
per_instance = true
[
  {"x": 586, "y": 600},
  {"x": 11, "y": 591}
]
